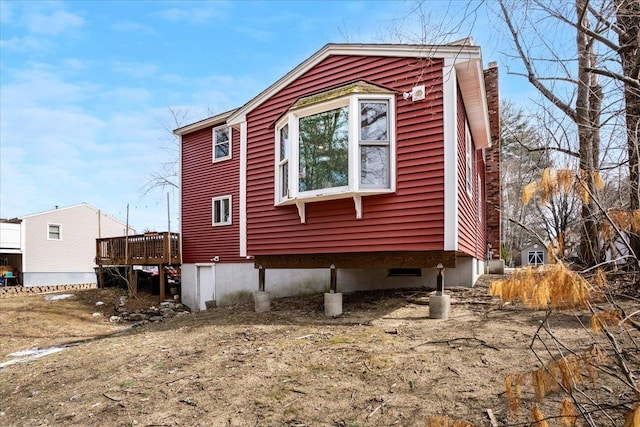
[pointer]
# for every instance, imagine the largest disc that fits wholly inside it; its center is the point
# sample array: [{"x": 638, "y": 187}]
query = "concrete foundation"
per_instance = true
[
  {"x": 332, "y": 304},
  {"x": 496, "y": 266},
  {"x": 262, "y": 301},
  {"x": 439, "y": 306}
]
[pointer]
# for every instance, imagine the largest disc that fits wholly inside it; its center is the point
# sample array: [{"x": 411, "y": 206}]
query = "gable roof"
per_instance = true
[
  {"x": 465, "y": 57},
  {"x": 216, "y": 120},
  {"x": 57, "y": 209}
]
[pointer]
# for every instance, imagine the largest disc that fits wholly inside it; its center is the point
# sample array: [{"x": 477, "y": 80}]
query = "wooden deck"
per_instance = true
[
  {"x": 156, "y": 249},
  {"x": 139, "y": 249}
]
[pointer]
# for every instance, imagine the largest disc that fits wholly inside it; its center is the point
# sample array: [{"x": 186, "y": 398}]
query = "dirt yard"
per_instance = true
[{"x": 384, "y": 362}]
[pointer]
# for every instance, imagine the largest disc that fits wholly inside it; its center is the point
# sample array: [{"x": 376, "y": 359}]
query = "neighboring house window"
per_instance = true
[
  {"x": 221, "y": 143},
  {"x": 221, "y": 210},
  {"x": 53, "y": 232},
  {"x": 469, "y": 164},
  {"x": 536, "y": 257},
  {"x": 336, "y": 144}
]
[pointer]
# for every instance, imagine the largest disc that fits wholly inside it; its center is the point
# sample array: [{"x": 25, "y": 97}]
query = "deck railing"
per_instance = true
[{"x": 139, "y": 249}]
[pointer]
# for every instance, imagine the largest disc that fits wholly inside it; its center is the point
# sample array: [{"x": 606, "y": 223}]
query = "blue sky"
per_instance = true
[{"x": 86, "y": 87}]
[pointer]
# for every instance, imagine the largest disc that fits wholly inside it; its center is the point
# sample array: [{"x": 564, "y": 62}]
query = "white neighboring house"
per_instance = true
[{"x": 58, "y": 247}]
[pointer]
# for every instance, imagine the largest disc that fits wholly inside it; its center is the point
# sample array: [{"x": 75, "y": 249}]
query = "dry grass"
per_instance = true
[
  {"x": 30, "y": 321},
  {"x": 559, "y": 181},
  {"x": 538, "y": 417},
  {"x": 554, "y": 286},
  {"x": 568, "y": 413},
  {"x": 633, "y": 418},
  {"x": 383, "y": 362},
  {"x": 557, "y": 288}
]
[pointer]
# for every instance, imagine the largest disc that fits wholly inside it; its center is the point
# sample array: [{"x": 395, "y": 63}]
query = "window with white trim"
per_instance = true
[
  {"x": 53, "y": 232},
  {"x": 337, "y": 144},
  {"x": 283, "y": 164},
  {"x": 221, "y": 208},
  {"x": 221, "y": 143},
  {"x": 374, "y": 144}
]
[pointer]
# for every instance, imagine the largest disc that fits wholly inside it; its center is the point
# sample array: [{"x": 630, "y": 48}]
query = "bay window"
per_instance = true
[
  {"x": 374, "y": 144},
  {"x": 283, "y": 164},
  {"x": 324, "y": 150},
  {"x": 337, "y": 144}
]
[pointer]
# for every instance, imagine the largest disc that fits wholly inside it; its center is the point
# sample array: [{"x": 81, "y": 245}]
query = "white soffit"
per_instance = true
[
  {"x": 208, "y": 122},
  {"x": 471, "y": 81}
]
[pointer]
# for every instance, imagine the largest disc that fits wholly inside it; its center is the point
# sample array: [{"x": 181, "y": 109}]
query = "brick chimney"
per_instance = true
[{"x": 492, "y": 157}]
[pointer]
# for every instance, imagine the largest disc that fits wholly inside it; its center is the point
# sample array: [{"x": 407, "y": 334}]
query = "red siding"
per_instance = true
[
  {"x": 471, "y": 231},
  {"x": 203, "y": 180},
  {"x": 410, "y": 219}
]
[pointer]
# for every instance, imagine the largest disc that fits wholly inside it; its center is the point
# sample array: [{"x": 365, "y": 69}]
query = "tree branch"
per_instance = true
[
  {"x": 533, "y": 79},
  {"x": 624, "y": 79}
]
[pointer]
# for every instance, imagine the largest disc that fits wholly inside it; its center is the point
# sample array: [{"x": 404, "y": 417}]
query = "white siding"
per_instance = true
[
  {"x": 10, "y": 237},
  {"x": 74, "y": 252}
]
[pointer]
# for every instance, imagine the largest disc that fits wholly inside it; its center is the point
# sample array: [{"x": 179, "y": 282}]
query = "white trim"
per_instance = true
[
  {"x": 449, "y": 120},
  {"x": 229, "y": 221},
  {"x": 357, "y": 202},
  {"x": 54, "y": 224},
  {"x": 453, "y": 53},
  {"x": 215, "y": 159},
  {"x": 353, "y": 189},
  {"x": 79, "y": 205},
  {"x": 468, "y": 159},
  {"x": 242, "y": 214},
  {"x": 202, "y": 124},
  {"x": 179, "y": 194},
  {"x": 535, "y": 253},
  {"x": 475, "y": 100},
  {"x": 302, "y": 213},
  {"x": 23, "y": 245}
]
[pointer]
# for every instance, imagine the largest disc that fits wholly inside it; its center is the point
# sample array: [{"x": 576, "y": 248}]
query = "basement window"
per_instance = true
[
  {"x": 336, "y": 144},
  {"x": 405, "y": 272}
]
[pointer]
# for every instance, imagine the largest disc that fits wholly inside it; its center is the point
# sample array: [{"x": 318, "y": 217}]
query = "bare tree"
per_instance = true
[
  {"x": 165, "y": 176},
  {"x": 606, "y": 47},
  {"x": 523, "y": 159},
  {"x": 583, "y": 104}
]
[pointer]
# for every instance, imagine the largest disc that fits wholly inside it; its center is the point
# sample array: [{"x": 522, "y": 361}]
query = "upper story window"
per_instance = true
[
  {"x": 221, "y": 207},
  {"x": 340, "y": 143},
  {"x": 221, "y": 143},
  {"x": 53, "y": 232}
]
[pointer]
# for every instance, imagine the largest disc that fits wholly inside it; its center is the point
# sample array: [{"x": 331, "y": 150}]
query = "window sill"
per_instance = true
[
  {"x": 221, "y": 159},
  {"x": 301, "y": 201}
]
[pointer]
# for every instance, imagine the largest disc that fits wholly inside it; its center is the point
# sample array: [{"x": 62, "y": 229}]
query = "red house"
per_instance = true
[{"x": 364, "y": 167}]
